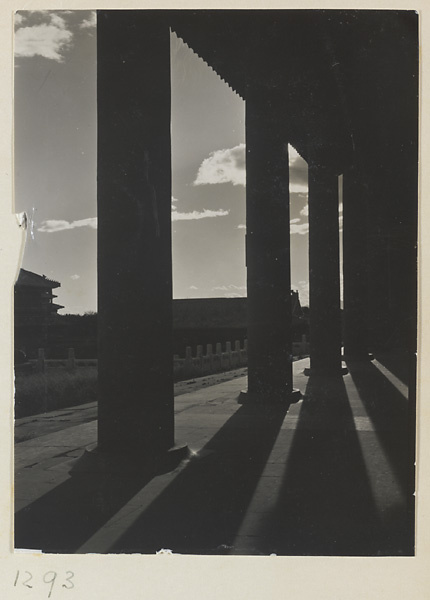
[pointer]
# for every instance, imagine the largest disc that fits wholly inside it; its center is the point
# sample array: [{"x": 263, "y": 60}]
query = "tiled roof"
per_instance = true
[
  {"x": 29, "y": 279},
  {"x": 218, "y": 312}
]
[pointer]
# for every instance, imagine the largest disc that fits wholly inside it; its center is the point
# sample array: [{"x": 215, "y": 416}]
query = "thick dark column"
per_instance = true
[
  {"x": 268, "y": 256},
  {"x": 134, "y": 235},
  {"x": 324, "y": 284},
  {"x": 355, "y": 286}
]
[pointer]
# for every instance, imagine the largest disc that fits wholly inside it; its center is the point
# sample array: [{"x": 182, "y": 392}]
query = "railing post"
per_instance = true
[
  {"x": 228, "y": 351},
  {"x": 71, "y": 363},
  {"x": 237, "y": 349},
  {"x": 304, "y": 344},
  {"x": 200, "y": 358},
  {"x": 188, "y": 360},
  {"x": 211, "y": 358},
  {"x": 41, "y": 360}
]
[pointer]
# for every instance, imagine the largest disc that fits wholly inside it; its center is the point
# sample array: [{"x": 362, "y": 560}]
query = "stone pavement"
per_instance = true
[{"x": 332, "y": 476}]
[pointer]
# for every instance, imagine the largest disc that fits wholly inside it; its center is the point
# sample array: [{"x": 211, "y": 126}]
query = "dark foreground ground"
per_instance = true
[{"x": 332, "y": 476}]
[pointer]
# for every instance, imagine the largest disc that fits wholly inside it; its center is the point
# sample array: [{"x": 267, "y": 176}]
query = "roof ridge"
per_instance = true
[{"x": 37, "y": 278}]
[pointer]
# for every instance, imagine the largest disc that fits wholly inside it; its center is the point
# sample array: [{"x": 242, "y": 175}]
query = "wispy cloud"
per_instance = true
[
  {"x": 49, "y": 39},
  {"x": 229, "y": 288},
  {"x": 299, "y": 228},
  {"x": 75, "y": 277},
  {"x": 193, "y": 287},
  {"x": 305, "y": 210},
  {"x": 52, "y": 226},
  {"x": 241, "y": 227},
  {"x": 90, "y": 23},
  {"x": 223, "y": 166},
  {"x": 19, "y": 19},
  {"x": 195, "y": 214}
]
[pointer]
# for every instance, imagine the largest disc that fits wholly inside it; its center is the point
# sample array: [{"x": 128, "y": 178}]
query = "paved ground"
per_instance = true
[
  {"x": 33, "y": 426},
  {"x": 332, "y": 476}
]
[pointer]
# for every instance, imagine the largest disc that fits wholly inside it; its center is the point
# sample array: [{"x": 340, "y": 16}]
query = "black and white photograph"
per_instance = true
[{"x": 215, "y": 313}]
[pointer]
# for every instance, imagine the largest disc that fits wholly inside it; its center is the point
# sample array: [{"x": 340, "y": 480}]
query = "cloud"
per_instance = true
[
  {"x": 19, "y": 19},
  {"x": 196, "y": 214},
  {"x": 294, "y": 221},
  {"x": 193, "y": 287},
  {"x": 223, "y": 166},
  {"x": 305, "y": 211},
  {"x": 229, "y": 166},
  {"x": 241, "y": 227},
  {"x": 52, "y": 226},
  {"x": 74, "y": 277},
  {"x": 49, "y": 39},
  {"x": 299, "y": 228},
  {"x": 89, "y": 23},
  {"x": 225, "y": 288}
]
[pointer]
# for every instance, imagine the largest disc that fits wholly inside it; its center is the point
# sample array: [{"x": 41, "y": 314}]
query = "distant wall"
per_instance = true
[{"x": 196, "y": 322}]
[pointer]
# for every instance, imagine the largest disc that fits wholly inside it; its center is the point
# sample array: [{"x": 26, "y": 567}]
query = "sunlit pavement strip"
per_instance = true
[
  {"x": 399, "y": 385},
  {"x": 43, "y": 463},
  {"x": 36, "y": 450},
  {"x": 360, "y": 424},
  {"x": 386, "y": 489}
]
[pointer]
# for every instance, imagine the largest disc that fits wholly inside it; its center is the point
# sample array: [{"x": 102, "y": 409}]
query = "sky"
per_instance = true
[{"x": 55, "y": 166}]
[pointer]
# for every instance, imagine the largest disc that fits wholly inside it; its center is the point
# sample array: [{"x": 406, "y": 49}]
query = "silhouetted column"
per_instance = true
[
  {"x": 134, "y": 234},
  {"x": 268, "y": 256},
  {"x": 324, "y": 284},
  {"x": 354, "y": 266}
]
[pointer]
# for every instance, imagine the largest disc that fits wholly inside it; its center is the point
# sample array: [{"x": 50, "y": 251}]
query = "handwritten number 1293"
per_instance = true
[{"x": 49, "y": 578}]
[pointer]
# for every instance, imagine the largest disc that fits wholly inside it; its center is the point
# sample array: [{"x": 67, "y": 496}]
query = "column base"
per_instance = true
[
  {"x": 247, "y": 397},
  {"x": 318, "y": 372},
  {"x": 95, "y": 461}
]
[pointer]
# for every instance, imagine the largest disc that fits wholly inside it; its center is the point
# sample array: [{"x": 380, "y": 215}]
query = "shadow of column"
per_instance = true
[
  {"x": 61, "y": 520},
  {"x": 390, "y": 414},
  {"x": 199, "y": 512},
  {"x": 399, "y": 363},
  {"x": 325, "y": 505}
]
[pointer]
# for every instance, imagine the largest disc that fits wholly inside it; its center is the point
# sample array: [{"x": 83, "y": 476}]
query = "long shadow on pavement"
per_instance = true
[
  {"x": 393, "y": 418},
  {"x": 199, "y": 512},
  {"x": 325, "y": 506},
  {"x": 64, "y": 518},
  {"x": 400, "y": 363}
]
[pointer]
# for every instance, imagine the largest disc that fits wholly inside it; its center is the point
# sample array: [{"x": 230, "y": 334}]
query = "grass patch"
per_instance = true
[{"x": 37, "y": 393}]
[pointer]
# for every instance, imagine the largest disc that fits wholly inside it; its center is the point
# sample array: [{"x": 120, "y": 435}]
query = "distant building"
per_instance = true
[
  {"x": 201, "y": 321},
  {"x": 34, "y": 311}
]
